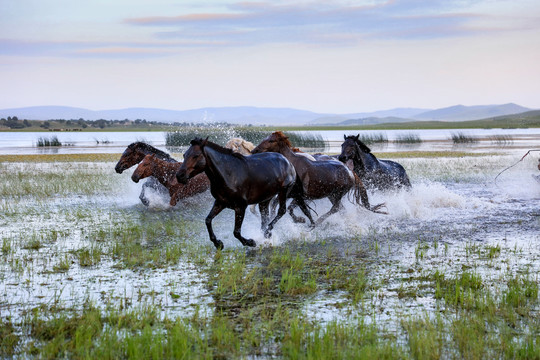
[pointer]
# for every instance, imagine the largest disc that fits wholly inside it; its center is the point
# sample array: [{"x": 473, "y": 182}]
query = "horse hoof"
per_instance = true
[
  {"x": 267, "y": 234},
  {"x": 300, "y": 220},
  {"x": 249, "y": 242},
  {"x": 218, "y": 244}
]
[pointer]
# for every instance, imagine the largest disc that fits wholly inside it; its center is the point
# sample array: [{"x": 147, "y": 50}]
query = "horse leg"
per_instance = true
[
  {"x": 295, "y": 218},
  {"x": 239, "y": 213},
  {"x": 263, "y": 209},
  {"x": 143, "y": 197},
  {"x": 336, "y": 205},
  {"x": 305, "y": 209},
  {"x": 282, "y": 196},
  {"x": 216, "y": 209}
]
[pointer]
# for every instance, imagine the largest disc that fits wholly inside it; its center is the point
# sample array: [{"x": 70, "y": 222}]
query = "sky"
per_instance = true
[{"x": 324, "y": 56}]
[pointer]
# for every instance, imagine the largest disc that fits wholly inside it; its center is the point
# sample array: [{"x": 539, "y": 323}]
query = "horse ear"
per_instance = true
[
  {"x": 205, "y": 141},
  {"x": 357, "y": 137},
  {"x": 344, "y": 137}
]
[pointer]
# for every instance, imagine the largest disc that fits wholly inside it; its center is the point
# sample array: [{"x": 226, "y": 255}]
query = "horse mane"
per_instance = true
[
  {"x": 218, "y": 148},
  {"x": 282, "y": 138},
  {"x": 360, "y": 144},
  {"x": 149, "y": 149}
]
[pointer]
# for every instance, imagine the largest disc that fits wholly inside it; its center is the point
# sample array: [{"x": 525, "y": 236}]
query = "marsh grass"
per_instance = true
[
  {"x": 501, "y": 140},
  {"x": 257, "y": 303},
  {"x": 48, "y": 141},
  {"x": 378, "y": 138},
  {"x": 462, "y": 138},
  {"x": 407, "y": 139},
  {"x": 221, "y": 135}
]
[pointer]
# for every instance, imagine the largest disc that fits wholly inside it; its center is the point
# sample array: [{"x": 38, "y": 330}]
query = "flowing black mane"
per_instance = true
[
  {"x": 149, "y": 149},
  {"x": 218, "y": 148},
  {"x": 363, "y": 147}
]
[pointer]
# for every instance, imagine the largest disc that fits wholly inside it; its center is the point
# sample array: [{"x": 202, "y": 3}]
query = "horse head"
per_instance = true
[
  {"x": 131, "y": 156},
  {"x": 194, "y": 161},
  {"x": 352, "y": 148},
  {"x": 273, "y": 143},
  {"x": 145, "y": 168}
]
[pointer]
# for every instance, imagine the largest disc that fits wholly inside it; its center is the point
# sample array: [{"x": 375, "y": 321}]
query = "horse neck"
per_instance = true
[
  {"x": 288, "y": 153},
  {"x": 148, "y": 149},
  {"x": 366, "y": 161},
  {"x": 220, "y": 165},
  {"x": 164, "y": 172}
]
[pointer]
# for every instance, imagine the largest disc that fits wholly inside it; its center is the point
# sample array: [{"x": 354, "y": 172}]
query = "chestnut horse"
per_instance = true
[
  {"x": 165, "y": 173},
  {"x": 316, "y": 179},
  {"x": 375, "y": 173},
  {"x": 133, "y": 155},
  {"x": 237, "y": 181}
]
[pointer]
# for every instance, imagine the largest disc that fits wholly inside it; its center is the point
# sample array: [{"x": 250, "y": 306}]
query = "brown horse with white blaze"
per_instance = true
[{"x": 165, "y": 173}]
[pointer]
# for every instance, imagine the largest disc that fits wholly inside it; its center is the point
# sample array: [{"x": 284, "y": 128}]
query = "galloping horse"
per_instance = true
[
  {"x": 316, "y": 179},
  {"x": 375, "y": 173},
  {"x": 133, "y": 155},
  {"x": 237, "y": 181},
  {"x": 165, "y": 173}
]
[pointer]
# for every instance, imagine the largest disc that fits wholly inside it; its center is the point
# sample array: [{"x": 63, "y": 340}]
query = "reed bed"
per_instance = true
[
  {"x": 409, "y": 138},
  {"x": 221, "y": 135},
  {"x": 379, "y": 138},
  {"x": 501, "y": 140},
  {"x": 46, "y": 141},
  {"x": 462, "y": 138}
]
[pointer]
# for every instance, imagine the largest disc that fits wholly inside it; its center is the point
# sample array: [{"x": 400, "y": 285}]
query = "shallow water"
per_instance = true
[{"x": 454, "y": 203}]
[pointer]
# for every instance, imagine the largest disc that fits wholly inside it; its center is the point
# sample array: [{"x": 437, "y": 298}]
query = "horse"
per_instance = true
[
  {"x": 316, "y": 179},
  {"x": 240, "y": 145},
  {"x": 134, "y": 154},
  {"x": 237, "y": 181},
  {"x": 375, "y": 173},
  {"x": 165, "y": 173}
]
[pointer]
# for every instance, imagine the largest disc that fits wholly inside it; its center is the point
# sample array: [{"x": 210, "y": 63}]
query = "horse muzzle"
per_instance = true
[
  {"x": 119, "y": 169},
  {"x": 181, "y": 176},
  {"x": 343, "y": 158},
  {"x": 135, "y": 178}
]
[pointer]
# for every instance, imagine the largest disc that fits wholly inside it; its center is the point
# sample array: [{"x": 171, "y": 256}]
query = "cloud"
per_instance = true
[
  {"x": 101, "y": 49},
  {"x": 323, "y": 22}
]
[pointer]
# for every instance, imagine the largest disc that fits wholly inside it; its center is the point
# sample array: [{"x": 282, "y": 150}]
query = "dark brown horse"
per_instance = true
[
  {"x": 375, "y": 173},
  {"x": 134, "y": 154},
  {"x": 316, "y": 179},
  {"x": 165, "y": 173},
  {"x": 237, "y": 181}
]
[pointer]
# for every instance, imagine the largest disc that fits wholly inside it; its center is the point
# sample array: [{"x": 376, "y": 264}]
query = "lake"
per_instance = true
[{"x": 115, "y": 142}]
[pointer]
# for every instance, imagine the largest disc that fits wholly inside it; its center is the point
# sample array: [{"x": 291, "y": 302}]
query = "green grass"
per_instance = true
[{"x": 313, "y": 296}]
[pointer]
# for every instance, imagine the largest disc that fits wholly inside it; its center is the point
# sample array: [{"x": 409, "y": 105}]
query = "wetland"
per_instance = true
[{"x": 451, "y": 272}]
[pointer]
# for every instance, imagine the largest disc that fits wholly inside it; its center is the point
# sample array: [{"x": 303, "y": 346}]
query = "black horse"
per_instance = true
[
  {"x": 374, "y": 173},
  {"x": 237, "y": 181},
  {"x": 134, "y": 154}
]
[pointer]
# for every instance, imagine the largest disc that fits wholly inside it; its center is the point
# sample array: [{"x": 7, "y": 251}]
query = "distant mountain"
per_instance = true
[
  {"x": 463, "y": 113},
  {"x": 373, "y": 121},
  {"x": 240, "y": 114},
  {"x": 404, "y": 113},
  {"x": 266, "y": 116}
]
